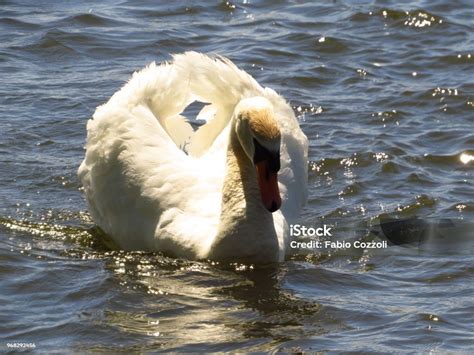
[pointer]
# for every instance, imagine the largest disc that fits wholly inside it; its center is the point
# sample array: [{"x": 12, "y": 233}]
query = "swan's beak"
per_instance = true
[{"x": 268, "y": 183}]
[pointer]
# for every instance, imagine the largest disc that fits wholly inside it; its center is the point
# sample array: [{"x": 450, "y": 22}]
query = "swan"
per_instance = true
[{"x": 226, "y": 191}]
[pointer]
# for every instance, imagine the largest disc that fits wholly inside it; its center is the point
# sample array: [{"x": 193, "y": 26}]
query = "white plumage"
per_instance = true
[{"x": 148, "y": 194}]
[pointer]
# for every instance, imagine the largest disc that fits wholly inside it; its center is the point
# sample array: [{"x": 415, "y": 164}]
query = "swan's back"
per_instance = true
[{"x": 148, "y": 193}]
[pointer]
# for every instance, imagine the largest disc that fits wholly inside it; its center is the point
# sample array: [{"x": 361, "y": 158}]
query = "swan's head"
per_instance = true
[{"x": 259, "y": 136}]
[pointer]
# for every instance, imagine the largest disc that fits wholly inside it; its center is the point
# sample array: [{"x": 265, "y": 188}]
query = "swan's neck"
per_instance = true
[{"x": 246, "y": 231}]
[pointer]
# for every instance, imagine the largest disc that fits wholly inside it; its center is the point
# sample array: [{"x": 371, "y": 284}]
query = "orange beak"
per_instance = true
[{"x": 268, "y": 184}]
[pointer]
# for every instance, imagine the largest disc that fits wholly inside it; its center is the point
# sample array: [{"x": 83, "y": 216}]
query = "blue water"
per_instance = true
[{"x": 384, "y": 90}]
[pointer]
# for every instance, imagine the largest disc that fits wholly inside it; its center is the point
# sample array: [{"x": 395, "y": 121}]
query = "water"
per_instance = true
[{"x": 384, "y": 91}]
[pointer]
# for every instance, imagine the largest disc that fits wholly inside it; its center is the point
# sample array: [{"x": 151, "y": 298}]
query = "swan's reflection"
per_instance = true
[{"x": 191, "y": 304}]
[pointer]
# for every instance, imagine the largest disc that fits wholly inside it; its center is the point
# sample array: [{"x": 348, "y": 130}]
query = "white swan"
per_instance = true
[{"x": 216, "y": 199}]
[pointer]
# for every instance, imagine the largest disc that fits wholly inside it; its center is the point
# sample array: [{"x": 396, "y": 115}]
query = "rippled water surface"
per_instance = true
[{"x": 384, "y": 91}]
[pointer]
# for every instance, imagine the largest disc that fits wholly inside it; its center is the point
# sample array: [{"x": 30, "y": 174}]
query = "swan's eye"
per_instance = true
[{"x": 262, "y": 153}]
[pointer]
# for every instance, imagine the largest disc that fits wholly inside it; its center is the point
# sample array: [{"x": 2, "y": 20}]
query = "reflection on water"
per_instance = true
[{"x": 181, "y": 305}]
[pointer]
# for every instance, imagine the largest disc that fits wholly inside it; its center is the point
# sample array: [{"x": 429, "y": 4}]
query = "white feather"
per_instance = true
[{"x": 146, "y": 192}]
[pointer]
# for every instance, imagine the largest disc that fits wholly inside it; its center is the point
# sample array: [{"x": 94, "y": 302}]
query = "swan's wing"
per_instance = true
[
  {"x": 141, "y": 188},
  {"x": 219, "y": 82},
  {"x": 293, "y": 175}
]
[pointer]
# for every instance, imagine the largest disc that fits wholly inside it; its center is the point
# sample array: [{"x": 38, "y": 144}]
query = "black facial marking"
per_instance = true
[
  {"x": 262, "y": 154},
  {"x": 274, "y": 207}
]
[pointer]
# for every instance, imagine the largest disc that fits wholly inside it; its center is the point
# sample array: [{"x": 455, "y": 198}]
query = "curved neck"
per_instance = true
[
  {"x": 240, "y": 193},
  {"x": 246, "y": 231}
]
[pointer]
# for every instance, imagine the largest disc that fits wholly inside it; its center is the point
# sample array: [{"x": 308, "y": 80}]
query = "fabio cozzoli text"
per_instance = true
[{"x": 298, "y": 230}]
